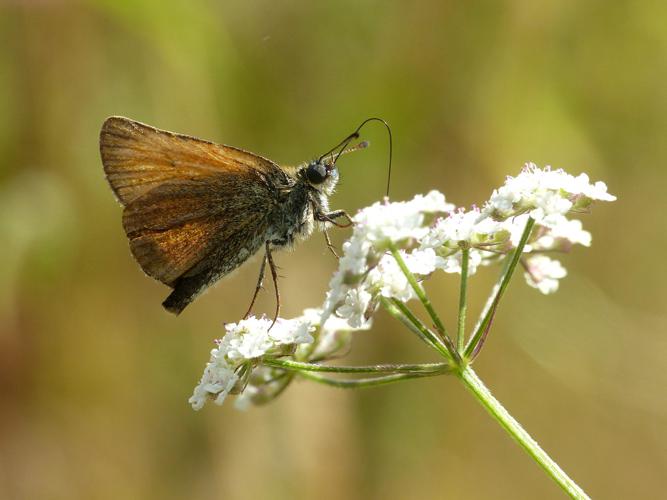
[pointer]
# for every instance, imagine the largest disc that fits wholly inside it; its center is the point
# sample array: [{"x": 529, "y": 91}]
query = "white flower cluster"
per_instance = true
[
  {"x": 366, "y": 271},
  {"x": 331, "y": 340},
  {"x": 246, "y": 341},
  {"x": 545, "y": 194},
  {"x": 543, "y": 273},
  {"x": 431, "y": 234}
]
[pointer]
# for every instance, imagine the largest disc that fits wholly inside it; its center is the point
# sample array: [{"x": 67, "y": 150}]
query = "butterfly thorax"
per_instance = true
[{"x": 293, "y": 218}]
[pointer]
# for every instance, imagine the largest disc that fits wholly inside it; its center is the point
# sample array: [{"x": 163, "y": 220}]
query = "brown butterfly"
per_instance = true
[{"x": 195, "y": 210}]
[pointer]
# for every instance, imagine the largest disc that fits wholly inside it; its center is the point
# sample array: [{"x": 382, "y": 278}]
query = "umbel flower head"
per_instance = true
[
  {"x": 430, "y": 234},
  {"x": 393, "y": 248},
  {"x": 235, "y": 363},
  {"x": 244, "y": 343}
]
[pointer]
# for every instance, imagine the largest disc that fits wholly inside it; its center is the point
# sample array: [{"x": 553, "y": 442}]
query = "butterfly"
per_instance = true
[{"x": 194, "y": 210}]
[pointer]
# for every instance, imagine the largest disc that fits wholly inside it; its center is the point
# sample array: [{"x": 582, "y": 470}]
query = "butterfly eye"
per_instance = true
[{"x": 316, "y": 173}]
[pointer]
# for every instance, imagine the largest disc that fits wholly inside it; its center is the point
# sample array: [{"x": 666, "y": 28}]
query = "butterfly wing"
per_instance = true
[{"x": 186, "y": 198}]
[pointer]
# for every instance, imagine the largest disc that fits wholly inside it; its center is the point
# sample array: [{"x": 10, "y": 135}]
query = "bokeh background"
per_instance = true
[{"x": 95, "y": 376}]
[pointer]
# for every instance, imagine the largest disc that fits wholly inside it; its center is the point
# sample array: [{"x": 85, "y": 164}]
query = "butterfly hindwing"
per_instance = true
[{"x": 171, "y": 229}]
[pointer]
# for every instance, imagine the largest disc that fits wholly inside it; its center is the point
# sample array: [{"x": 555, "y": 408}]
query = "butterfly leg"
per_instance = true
[
  {"x": 260, "y": 283},
  {"x": 274, "y": 275},
  {"x": 329, "y": 244},
  {"x": 332, "y": 216}
]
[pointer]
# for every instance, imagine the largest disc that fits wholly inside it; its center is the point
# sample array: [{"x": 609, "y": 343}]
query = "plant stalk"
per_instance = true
[
  {"x": 482, "y": 327},
  {"x": 419, "y": 291},
  {"x": 365, "y": 382},
  {"x": 473, "y": 383},
  {"x": 288, "y": 364},
  {"x": 463, "y": 300}
]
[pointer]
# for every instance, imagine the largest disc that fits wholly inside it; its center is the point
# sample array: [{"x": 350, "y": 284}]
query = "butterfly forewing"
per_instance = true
[
  {"x": 138, "y": 157},
  {"x": 182, "y": 195}
]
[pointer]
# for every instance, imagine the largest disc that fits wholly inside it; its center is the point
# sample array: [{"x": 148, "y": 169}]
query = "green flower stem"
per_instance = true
[
  {"x": 412, "y": 323},
  {"x": 460, "y": 334},
  {"x": 430, "y": 368},
  {"x": 514, "y": 429},
  {"x": 419, "y": 291},
  {"x": 431, "y": 338},
  {"x": 365, "y": 382},
  {"x": 490, "y": 308}
]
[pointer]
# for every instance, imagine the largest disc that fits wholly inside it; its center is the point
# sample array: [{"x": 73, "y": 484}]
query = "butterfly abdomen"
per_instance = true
[{"x": 185, "y": 291}]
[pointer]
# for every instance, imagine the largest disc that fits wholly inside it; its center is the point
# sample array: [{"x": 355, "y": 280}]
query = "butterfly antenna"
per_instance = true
[
  {"x": 342, "y": 146},
  {"x": 331, "y": 156}
]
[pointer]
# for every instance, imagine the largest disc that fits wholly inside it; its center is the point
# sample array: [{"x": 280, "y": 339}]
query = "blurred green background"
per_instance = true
[{"x": 95, "y": 376}]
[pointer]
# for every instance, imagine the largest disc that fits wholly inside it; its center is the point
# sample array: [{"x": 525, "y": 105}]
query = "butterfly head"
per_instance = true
[{"x": 322, "y": 175}]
